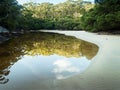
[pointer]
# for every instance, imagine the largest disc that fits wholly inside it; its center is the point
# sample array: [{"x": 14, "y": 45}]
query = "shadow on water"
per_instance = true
[{"x": 42, "y": 44}]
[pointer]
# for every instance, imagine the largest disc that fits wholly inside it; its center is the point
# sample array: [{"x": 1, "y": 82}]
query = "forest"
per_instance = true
[{"x": 104, "y": 15}]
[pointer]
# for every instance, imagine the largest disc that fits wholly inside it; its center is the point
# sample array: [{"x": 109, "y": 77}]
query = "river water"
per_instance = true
[{"x": 38, "y": 60}]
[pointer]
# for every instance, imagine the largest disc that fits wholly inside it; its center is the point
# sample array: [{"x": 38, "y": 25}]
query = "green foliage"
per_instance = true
[
  {"x": 61, "y": 16},
  {"x": 103, "y": 17},
  {"x": 35, "y": 16},
  {"x": 9, "y": 12},
  {"x": 67, "y": 23},
  {"x": 98, "y": 1}
]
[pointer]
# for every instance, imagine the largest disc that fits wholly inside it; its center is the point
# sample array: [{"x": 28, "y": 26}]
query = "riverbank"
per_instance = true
[
  {"x": 109, "y": 33},
  {"x": 103, "y": 73},
  {"x": 6, "y": 36}
]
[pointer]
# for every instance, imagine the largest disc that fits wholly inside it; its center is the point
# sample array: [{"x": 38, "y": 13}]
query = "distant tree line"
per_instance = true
[
  {"x": 34, "y": 16},
  {"x": 70, "y": 15}
]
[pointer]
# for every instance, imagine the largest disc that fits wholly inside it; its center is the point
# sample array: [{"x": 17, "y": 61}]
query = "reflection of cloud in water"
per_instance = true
[
  {"x": 60, "y": 76},
  {"x": 63, "y": 66},
  {"x": 67, "y": 67}
]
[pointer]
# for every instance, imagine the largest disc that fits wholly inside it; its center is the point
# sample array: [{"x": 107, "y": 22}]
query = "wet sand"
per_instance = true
[{"x": 103, "y": 73}]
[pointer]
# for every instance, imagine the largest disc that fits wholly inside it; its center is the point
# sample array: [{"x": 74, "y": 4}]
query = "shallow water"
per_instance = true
[{"x": 40, "y": 59}]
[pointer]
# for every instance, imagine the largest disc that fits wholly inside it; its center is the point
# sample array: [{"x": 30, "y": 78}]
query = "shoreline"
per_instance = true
[
  {"x": 6, "y": 36},
  {"x": 108, "y": 33}
]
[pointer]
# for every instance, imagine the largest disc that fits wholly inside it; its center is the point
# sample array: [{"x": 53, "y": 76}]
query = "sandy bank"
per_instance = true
[{"x": 103, "y": 73}]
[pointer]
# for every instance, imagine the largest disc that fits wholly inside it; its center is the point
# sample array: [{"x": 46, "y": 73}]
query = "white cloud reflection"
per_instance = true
[{"x": 64, "y": 66}]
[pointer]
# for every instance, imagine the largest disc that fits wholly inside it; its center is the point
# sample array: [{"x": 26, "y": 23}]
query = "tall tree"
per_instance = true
[
  {"x": 105, "y": 16},
  {"x": 9, "y": 11}
]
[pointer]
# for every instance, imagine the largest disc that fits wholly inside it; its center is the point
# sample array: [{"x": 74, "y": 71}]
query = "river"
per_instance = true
[{"x": 70, "y": 60}]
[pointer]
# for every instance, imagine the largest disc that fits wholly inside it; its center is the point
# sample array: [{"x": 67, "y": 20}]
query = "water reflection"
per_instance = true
[
  {"x": 46, "y": 44},
  {"x": 64, "y": 66}
]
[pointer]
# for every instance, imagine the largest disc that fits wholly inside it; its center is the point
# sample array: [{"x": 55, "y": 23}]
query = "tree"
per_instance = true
[
  {"x": 103, "y": 17},
  {"x": 9, "y": 11},
  {"x": 59, "y": 16},
  {"x": 99, "y": 1}
]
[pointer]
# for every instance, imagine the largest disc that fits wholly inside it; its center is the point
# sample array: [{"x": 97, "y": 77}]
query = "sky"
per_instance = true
[{"x": 41, "y": 1}]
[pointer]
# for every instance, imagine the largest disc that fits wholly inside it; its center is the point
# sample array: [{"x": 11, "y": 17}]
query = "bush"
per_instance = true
[{"x": 104, "y": 17}]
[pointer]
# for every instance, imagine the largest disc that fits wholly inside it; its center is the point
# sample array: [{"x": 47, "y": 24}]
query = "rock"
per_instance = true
[{"x": 3, "y": 30}]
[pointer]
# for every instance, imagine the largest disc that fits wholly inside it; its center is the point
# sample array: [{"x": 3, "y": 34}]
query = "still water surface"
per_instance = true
[{"x": 41, "y": 58}]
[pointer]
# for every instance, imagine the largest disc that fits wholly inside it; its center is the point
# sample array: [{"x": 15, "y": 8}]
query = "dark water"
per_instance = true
[{"x": 42, "y": 58}]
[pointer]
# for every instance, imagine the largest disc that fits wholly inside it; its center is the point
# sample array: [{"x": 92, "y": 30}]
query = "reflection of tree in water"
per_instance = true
[
  {"x": 41, "y": 44},
  {"x": 88, "y": 50},
  {"x": 8, "y": 55}
]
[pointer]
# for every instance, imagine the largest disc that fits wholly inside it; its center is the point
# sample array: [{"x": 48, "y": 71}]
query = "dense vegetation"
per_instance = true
[
  {"x": 105, "y": 16},
  {"x": 70, "y": 15},
  {"x": 42, "y": 16},
  {"x": 9, "y": 14}
]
